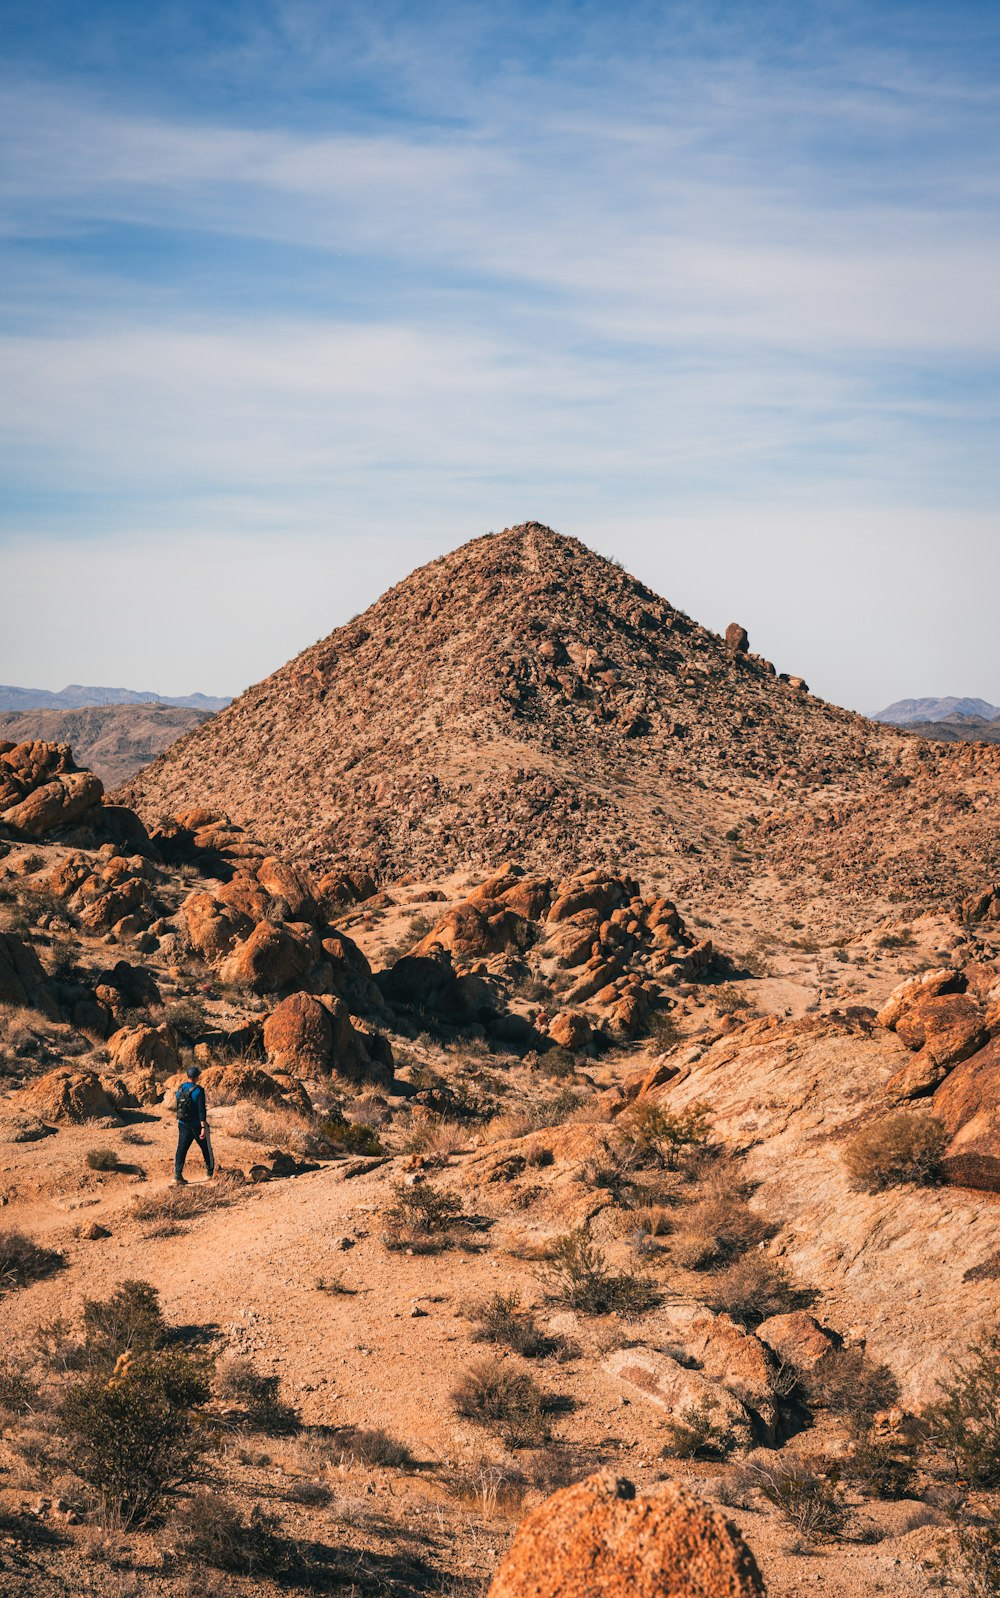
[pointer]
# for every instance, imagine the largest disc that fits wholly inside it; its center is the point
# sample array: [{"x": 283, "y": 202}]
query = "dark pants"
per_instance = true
[{"x": 186, "y": 1135}]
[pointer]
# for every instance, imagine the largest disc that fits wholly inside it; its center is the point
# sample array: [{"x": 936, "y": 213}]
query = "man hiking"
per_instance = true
[{"x": 192, "y": 1124}]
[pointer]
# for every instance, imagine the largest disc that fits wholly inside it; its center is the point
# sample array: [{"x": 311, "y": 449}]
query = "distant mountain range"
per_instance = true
[
  {"x": 78, "y": 697},
  {"x": 910, "y": 712},
  {"x": 115, "y": 741}
]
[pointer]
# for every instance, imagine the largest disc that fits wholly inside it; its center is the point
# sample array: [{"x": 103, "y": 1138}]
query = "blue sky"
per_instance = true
[{"x": 296, "y": 296}]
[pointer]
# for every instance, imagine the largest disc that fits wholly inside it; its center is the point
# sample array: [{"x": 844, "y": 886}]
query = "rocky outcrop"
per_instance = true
[
  {"x": 41, "y": 788},
  {"x": 150, "y": 1049},
  {"x": 968, "y": 1102},
  {"x": 737, "y": 638},
  {"x": 600, "y": 1539},
  {"x": 236, "y": 1082},
  {"x": 936, "y": 1017},
  {"x": 797, "y": 1339}
]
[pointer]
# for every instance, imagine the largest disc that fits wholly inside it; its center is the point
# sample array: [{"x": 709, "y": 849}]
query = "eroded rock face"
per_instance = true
[
  {"x": 968, "y": 1102},
  {"x": 935, "y": 1016},
  {"x": 676, "y": 1390},
  {"x": 599, "y": 1539},
  {"x": 145, "y": 1049}
]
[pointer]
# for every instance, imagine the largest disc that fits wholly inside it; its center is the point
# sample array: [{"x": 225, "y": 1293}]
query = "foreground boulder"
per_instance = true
[
  {"x": 273, "y": 957},
  {"x": 599, "y": 1539},
  {"x": 933, "y": 1015},
  {"x": 968, "y": 1102}
]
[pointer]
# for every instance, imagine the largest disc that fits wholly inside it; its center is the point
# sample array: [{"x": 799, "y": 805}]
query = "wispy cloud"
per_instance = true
[{"x": 562, "y": 262}]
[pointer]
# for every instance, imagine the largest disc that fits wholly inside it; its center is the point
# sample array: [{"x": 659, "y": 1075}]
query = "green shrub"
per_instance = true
[
  {"x": 22, "y": 1260},
  {"x": 135, "y": 1434},
  {"x": 698, "y": 1433},
  {"x": 903, "y": 1147},
  {"x": 657, "y": 1134},
  {"x": 129, "y": 1321},
  {"x": 347, "y": 1137},
  {"x": 965, "y": 1422},
  {"x": 421, "y": 1218},
  {"x": 508, "y": 1401},
  {"x": 577, "y": 1275}
]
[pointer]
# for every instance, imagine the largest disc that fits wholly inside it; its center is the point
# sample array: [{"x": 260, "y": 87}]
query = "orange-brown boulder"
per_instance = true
[
  {"x": 238, "y": 1083},
  {"x": 983, "y": 906},
  {"x": 796, "y": 1338},
  {"x": 55, "y": 804},
  {"x": 283, "y": 881},
  {"x": 968, "y": 1102},
  {"x": 245, "y": 897},
  {"x": 591, "y": 891},
  {"x": 568, "y": 1029},
  {"x": 338, "y": 889},
  {"x": 528, "y": 896},
  {"x": 67, "y": 1095},
  {"x": 211, "y": 928},
  {"x": 943, "y": 979},
  {"x": 946, "y": 1026},
  {"x": 144, "y": 1048},
  {"x": 475, "y": 931},
  {"x": 599, "y": 1539},
  {"x": 298, "y": 1036},
  {"x": 22, "y": 978},
  {"x": 309, "y": 1036},
  {"x": 272, "y": 957}
]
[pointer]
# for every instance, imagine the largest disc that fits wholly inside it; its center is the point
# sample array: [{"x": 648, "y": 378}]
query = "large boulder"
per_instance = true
[
  {"x": 236, "y": 1082},
  {"x": 67, "y": 1095},
  {"x": 211, "y": 928},
  {"x": 310, "y": 1037},
  {"x": 934, "y": 1015},
  {"x": 22, "y": 978},
  {"x": 599, "y": 1539},
  {"x": 528, "y": 896},
  {"x": 726, "y": 1353},
  {"x": 797, "y": 1339},
  {"x": 943, "y": 979},
  {"x": 273, "y": 957},
  {"x": 475, "y": 931},
  {"x": 144, "y": 1049},
  {"x": 283, "y": 881}
]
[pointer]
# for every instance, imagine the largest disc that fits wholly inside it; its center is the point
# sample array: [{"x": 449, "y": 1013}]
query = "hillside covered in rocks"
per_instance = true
[{"x": 543, "y": 1194}]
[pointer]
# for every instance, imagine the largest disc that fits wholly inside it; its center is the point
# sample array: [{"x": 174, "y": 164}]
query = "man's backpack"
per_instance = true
[{"x": 183, "y": 1103}]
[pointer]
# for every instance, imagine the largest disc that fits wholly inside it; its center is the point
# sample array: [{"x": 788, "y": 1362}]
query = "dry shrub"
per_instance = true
[
  {"x": 101, "y": 1159},
  {"x": 903, "y": 1147},
  {"x": 275, "y": 1125},
  {"x": 437, "y": 1137},
  {"x": 698, "y": 1433},
  {"x": 979, "y": 1557},
  {"x": 177, "y": 1204},
  {"x": 22, "y": 1260},
  {"x": 500, "y": 1319},
  {"x": 130, "y": 1321},
  {"x": 18, "y": 1393},
  {"x": 752, "y": 1289},
  {"x": 238, "y": 1380},
  {"x": 374, "y": 1446},
  {"x": 506, "y": 1400},
  {"x": 422, "y": 1219},
  {"x": 577, "y": 1275},
  {"x": 806, "y": 1497},
  {"x": 716, "y": 1231},
  {"x": 211, "y": 1530},
  {"x": 877, "y": 1468},
  {"x": 849, "y": 1383}
]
